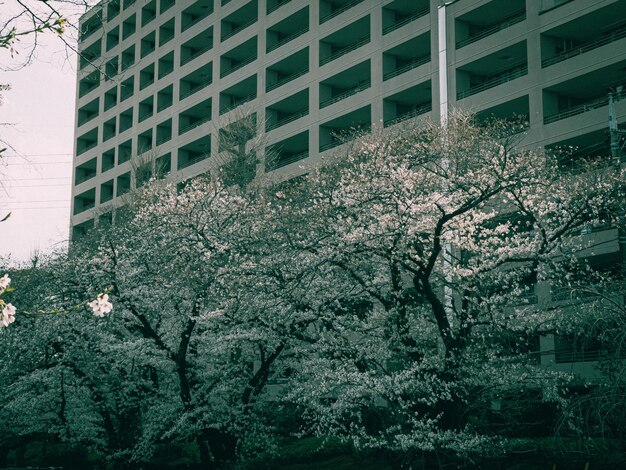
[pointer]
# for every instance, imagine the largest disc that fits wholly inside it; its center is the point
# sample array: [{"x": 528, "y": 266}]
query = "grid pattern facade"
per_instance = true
[{"x": 161, "y": 77}]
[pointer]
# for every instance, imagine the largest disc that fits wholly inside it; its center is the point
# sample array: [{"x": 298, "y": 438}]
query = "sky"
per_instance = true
[{"x": 35, "y": 176}]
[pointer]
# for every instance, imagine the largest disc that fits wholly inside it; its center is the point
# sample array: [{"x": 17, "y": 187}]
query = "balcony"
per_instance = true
[
  {"x": 345, "y": 84},
  {"x": 239, "y": 20},
  {"x": 238, "y": 57},
  {"x": 196, "y": 46},
  {"x": 577, "y": 37},
  {"x": 87, "y": 112},
  {"x": 407, "y": 104},
  {"x": 148, "y": 44},
  {"x": 287, "y": 30},
  {"x": 165, "y": 98},
  {"x": 470, "y": 78},
  {"x": 166, "y": 65},
  {"x": 89, "y": 83},
  {"x": 287, "y": 110},
  {"x": 287, "y": 70},
  {"x": 85, "y": 201},
  {"x": 90, "y": 54},
  {"x": 238, "y": 94},
  {"x": 196, "y": 80},
  {"x": 287, "y": 151},
  {"x": 111, "y": 69},
  {"x": 330, "y": 9},
  {"x": 166, "y": 32},
  {"x": 406, "y": 115},
  {"x": 86, "y": 171},
  {"x": 146, "y": 109},
  {"x": 146, "y": 76},
  {"x": 347, "y": 39},
  {"x": 106, "y": 191},
  {"x": 273, "y": 5},
  {"x": 402, "y": 12},
  {"x": 195, "y": 116},
  {"x": 194, "y": 152},
  {"x": 126, "y": 120},
  {"x": 577, "y": 109},
  {"x": 575, "y": 96},
  {"x": 109, "y": 129},
  {"x": 127, "y": 88},
  {"x": 108, "y": 160},
  {"x": 90, "y": 26},
  {"x": 87, "y": 141},
  {"x": 344, "y": 128},
  {"x": 192, "y": 15},
  {"x": 124, "y": 152},
  {"x": 129, "y": 26},
  {"x": 586, "y": 47},
  {"x": 487, "y": 20},
  {"x": 344, "y": 50},
  {"x": 488, "y": 31},
  {"x": 123, "y": 184},
  {"x": 148, "y": 12},
  {"x": 163, "y": 132}
]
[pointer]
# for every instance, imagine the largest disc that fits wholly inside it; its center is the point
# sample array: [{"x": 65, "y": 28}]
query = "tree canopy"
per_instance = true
[{"x": 387, "y": 298}]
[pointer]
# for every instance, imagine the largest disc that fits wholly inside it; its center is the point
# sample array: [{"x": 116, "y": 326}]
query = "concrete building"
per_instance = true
[{"x": 161, "y": 77}]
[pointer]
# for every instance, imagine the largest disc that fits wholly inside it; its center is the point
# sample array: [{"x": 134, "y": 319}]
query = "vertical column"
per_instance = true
[
  {"x": 533, "y": 43},
  {"x": 314, "y": 73},
  {"x": 376, "y": 68}
]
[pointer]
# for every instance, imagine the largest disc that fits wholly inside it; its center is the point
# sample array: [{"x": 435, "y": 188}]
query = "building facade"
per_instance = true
[{"x": 158, "y": 79}]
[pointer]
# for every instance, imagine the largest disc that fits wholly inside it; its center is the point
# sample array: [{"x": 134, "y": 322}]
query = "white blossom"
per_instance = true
[
  {"x": 4, "y": 282},
  {"x": 101, "y": 305},
  {"x": 8, "y": 315}
]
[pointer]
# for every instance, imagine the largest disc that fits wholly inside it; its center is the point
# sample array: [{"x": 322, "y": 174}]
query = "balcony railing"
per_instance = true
[
  {"x": 86, "y": 148},
  {"x": 194, "y": 89},
  {"x": 409, "y": 66},
  {"x": 339, "y": 11},
  {"x": 578, "y": 109},
  {"x": 589, "y": 46},
  {"x": 286, "y": 39},
  {"x": 405, "y": 20},
  {"x": 281, "y": 162},
  {"x": 237, "y": 103},
  {"x": 82, "y": 179},
  {"x": 237, "y": 65},
  {"x": 287, "y": 120},
  {"x": 352, "y": 91},
  {"x": 88, "y": 90},
  {"x": 84, "y": 121},
  {"x": 196, "y": 54},
  {"x": 145, "y": 115},
  {"x": 193, "y": 161},
  {"x": 162, "y": 140},
  {"x": 239, "y": 28},
  {"x": 165, "y": 37},
  {"x": 344, "y": 50},
  {"x": 499, "y": 79},
  {"x": 517, "y": 18},
  {"x": 193, "y": 125},
  {"x": 277, "y": 5},
  {"x": 287, "y": 79},
  {"x": 408, "y": 115},
  {"x": 163, "y": 106},
  {"x": 196, "y": 20}
]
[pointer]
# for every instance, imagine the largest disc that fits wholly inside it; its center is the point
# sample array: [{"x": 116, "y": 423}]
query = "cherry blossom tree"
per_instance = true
[
  {"x": 387, "y": 297},
  {"x": 440, "y": 234}
]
